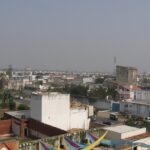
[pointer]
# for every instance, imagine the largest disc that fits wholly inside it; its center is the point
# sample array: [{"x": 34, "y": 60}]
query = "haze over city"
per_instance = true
[
  {"x": 75, "y": 35},
  {"x": 74, "y": 75}
]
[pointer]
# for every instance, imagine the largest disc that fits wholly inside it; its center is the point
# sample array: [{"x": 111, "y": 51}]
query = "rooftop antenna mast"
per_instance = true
[{"x": 115, "y": 63}]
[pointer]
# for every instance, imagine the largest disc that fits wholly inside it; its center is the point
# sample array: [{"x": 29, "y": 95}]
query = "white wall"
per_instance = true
[
  {"x": 79, "y": 118},
  {"x": 88, "y": 80},
  {"x": 144, "y": 141},
  {"x": 56, "y": 110},
  {"x": 133, "y": 133},
  {"x": 111, "y": 135},
  {"x": 142, "y": 95},
  {"x": 90, "y": 110},
  {"x": 137, "y": 109},
  {"x": 126, "y": 107},
  {"x": 114, "y": 135},
  {"x": 132, "y": 95}
]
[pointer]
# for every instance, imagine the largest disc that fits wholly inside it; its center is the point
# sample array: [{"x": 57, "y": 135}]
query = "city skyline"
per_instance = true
[{"x": 75, "y": 35}]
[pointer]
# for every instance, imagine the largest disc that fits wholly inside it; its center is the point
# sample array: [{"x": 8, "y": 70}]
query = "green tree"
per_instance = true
[
  {"x": 99, "y": 80},
  {"x": 7, "y": 97},
  {"x": 7, "y": 100},
  {"x": 12, "y": 105},
  {"x": 98, "y": 93},
  {"x": 67, "y": 88},
  {"x": 23, "y": 107},
  {"x": 4, "y": 105},
  {"x": 113, "y": 93},
  {"x": 78, "y": 90},
  {"x": 3, "y": 81}
]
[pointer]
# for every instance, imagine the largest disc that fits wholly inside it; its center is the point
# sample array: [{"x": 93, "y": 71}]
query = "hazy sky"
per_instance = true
[{"x": 75, "y": 34}]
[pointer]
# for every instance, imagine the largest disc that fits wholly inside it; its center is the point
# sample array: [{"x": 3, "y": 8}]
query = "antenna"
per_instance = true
[{"x": 115, "y": 63}]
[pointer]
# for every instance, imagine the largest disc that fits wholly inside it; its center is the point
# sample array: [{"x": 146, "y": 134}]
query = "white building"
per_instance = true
[
  {"x": 88, "y": 80},
  {"x": 18, "y": 84},
  {"x": 138, "y": 136},
  {"x": 54, "y": 109},
  {"x": 128, "y": 91},
  {"x": 136, "y": 107},
  {"x": 144, "y": 143},
  {"x": 19, "y": 75},
  {"x": 138, "y": 104},
  {"x": 123, "y": 132},
  {"x": 142, "y": 95},
  {"x": 133, "y": 92}
]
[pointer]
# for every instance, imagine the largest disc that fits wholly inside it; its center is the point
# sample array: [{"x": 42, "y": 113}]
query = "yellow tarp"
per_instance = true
[{"x": 96, "y": 142}]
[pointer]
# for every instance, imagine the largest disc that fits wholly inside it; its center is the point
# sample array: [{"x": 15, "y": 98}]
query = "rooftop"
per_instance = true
[
  {"x": 144, "y": 140},
  {"x": 19, "y": 114},
  {"x": 48, "y": 93},
  {"x": 121, "y": 128},
  {"x": 127, "y": 67},
  {"x": 143, "y": 102}
]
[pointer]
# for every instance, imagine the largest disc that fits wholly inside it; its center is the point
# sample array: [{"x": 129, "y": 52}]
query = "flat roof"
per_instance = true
[
  {"x": 121, "y": 129},
  {"x": 48, "y": 93},
  {"x": 19, "y": 114},
  {"x": 142, "y": 102},
  {"x": 143, "y": 140},
  {"x": 127, "y": 67}
]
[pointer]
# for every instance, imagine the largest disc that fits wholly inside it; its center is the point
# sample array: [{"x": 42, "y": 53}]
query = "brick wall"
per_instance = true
[{"x": 5, "y": 126}]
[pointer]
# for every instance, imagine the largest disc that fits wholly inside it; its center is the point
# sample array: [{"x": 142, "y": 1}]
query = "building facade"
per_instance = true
[
  {"x": 55, "y": 109},
  {"x": 136, "y": 107},
  {"x": 126, "y": 74}
]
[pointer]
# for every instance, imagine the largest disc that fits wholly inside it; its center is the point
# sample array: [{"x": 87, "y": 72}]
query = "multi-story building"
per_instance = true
[
  {"x": 56, "y": 110},
  {"x": 126, "y": 75}
]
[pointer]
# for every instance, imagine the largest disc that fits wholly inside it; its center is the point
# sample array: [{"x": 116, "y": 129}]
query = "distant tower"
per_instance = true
[
  {"x": 9, "y": 71},
  {"x": 114, "y": 66}
]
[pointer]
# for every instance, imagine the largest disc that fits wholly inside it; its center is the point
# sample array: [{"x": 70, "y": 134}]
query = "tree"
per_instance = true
[
  {"x": 7, "y": 97},
  {"x": 4, "y": 105},
  {"x": 78, "y": 90},
  {"x": 98, "y": 93},
  {"x": 67, "y": 88},
  {"x": 7, "y": 100},
  {"x": 99, "y": 80},
  {"x": 3, "y": 81},
  {"x": 12, "y": 105},
  {"x": 113, "y": 93},
  {"x": 23, "y": 107}
]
